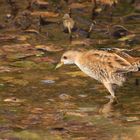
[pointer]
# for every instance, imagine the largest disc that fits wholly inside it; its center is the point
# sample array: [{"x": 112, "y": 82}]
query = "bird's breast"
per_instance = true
[{"x": 89, "y": 71}]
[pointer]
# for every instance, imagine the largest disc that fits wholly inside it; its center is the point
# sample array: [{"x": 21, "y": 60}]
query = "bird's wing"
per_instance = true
[
  {"x": 122, "y": 53},
  {"x": 112, "y": 62},
  {"x": 134, "y": 61}
]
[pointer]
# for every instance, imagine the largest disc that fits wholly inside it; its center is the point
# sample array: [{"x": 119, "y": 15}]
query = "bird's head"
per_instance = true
[
  {"x": 68, "y": 57},
  {"x": 66, "y": 16}
]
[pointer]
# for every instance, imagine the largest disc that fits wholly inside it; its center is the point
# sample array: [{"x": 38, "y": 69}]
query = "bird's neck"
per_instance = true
[{"x": 77, "y": 57}]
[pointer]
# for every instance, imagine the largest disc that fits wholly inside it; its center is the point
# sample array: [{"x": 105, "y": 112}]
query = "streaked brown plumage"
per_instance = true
[{"x": 108, "y": 67}]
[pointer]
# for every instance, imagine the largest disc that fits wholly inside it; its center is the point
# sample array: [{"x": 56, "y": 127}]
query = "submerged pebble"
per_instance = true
[
  {"x": 13, "y": 99},
  {"x": 65, "y": 96},
  {"x": 48, "y": 81},
  {"x": 1, "y": 84},
  {"x": 82, "y": 95},
  {"x": 131, "y": 119}
]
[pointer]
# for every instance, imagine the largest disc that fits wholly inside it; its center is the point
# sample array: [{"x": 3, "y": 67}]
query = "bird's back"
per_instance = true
[{"x": 106, "y": 66}]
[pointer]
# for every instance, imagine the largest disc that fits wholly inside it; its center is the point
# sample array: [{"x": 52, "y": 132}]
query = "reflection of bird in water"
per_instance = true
[
  {"x": 68, "y": 22},
  {"x": 108, "y": 67},
  {"x": 107, "y": 108}
]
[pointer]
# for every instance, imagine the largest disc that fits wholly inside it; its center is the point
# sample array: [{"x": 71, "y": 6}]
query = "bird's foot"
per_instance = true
[{"x": 113, "y": 99}]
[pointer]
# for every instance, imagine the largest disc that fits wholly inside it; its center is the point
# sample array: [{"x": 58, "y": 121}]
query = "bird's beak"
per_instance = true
[{"x": 59, "y": 65}]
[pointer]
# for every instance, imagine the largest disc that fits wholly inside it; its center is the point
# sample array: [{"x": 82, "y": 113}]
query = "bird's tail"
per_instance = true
[
  {"x": 136, "y": 64},
  {"x": 134, "y": 67}
]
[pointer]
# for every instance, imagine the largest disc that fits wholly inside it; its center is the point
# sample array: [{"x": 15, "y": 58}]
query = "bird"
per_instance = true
[
  {"x": 68, "y": 22},
  {"x": 109, "y": 67},
  {"x": 108, "y": 4}
]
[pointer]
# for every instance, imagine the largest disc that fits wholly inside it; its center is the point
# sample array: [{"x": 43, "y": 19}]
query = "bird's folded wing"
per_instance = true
[{"x": 112, "y": 62}]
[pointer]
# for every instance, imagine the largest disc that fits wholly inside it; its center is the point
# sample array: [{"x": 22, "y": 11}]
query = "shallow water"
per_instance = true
[{"x": 38, "y": 102}]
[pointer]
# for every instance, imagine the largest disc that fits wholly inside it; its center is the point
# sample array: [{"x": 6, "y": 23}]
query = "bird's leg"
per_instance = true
[
  {"x": 91, "y": 28},
  {"x": 136, "y": 82},
  {"x": 109, "y": 86},
  {"x": 94, "y": 12},
  {"x": 69, "y": 30},
  {"x": 70, "y": 38},
  {"x": 70, "y": 34}
]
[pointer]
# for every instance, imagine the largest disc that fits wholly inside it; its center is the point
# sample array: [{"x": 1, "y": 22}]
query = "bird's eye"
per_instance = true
[{"x": 64, "y": 57}]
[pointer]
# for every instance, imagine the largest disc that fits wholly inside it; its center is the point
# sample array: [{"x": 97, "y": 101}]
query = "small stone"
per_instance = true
[
  {"x": 51, "y": 100},
  {"x": 8, "y": 16},
  {"x": 48, "y": 81},
  {"x": 13, "y": 100},
  {"x": 65, "y": 97},
  {"x": 1, "y": 84},
  {"x": 82, "y": 95},
  {"x": 131, "y": 119}
]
